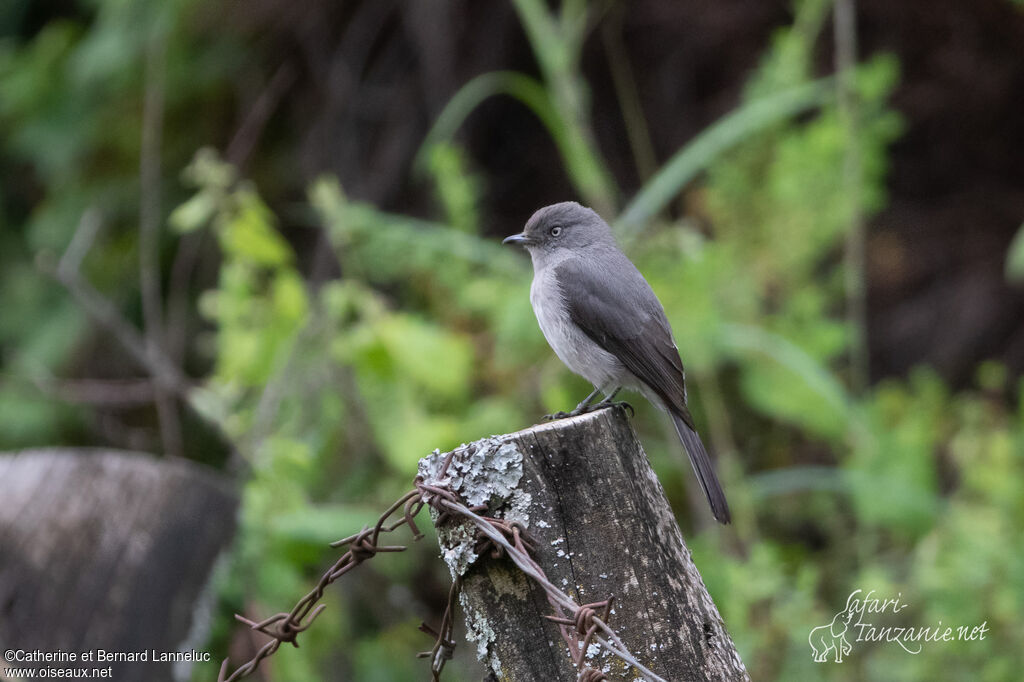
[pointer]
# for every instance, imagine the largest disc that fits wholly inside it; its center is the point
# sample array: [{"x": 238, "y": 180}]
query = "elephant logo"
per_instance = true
[{"x": 832, "y": 637}]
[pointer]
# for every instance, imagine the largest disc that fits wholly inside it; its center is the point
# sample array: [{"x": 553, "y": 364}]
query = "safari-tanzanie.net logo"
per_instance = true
[{"x": 863, "y": 620}]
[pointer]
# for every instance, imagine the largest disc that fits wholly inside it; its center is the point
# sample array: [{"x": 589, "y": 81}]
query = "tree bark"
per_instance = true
[
  {"x": 108, "y": 550},
  {"x": 601, "y": 526}
]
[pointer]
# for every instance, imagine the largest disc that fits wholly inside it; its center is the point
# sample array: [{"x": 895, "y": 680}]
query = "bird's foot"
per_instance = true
[
  {"x": 586, "y": 408},
  {"x": 576, "y": 411},
  {"x": 621, "y": 403},
  {"x": 582, "y": 408}
]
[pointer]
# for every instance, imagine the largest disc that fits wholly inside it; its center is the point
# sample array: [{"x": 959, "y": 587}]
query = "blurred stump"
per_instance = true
[
  {"x": 600, "y": 525},
  {"x": 108, "y": 550}
]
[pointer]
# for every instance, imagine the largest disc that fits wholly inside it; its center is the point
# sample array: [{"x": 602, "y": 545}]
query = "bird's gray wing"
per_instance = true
[{"x": 622, "y": 315}]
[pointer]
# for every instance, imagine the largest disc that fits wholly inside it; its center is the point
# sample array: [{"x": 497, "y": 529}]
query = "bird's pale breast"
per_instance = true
[{"x": 572, "y": 346}]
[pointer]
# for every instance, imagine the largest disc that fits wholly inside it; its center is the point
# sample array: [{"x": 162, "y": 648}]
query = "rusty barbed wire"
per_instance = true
[
  {"x": 584, "y": 625},
  {"x": 579, "y": 624},
  {"x": 444, "y": 644},
  {"x": 589, "y": 674},
  {"x": 284, "y": 628}
]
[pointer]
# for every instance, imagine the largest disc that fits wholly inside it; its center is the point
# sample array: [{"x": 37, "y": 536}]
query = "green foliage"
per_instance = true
[
  {"x": 70, "y": 130},
  {"x": 427, "y": 339},
  {"x": 688, "y": 162},
  {"x": 779, "y": 212},
  {"x": 298, "y": 374},
  {"x": 261, "y": 302},
  {"x": 457, "y": 190},
  {"x": 560, "y": 99}
]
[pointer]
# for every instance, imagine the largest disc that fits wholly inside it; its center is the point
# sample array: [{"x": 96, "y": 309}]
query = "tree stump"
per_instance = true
[
  {"x": 103, "y": 550},
  {"x": 601, "y": 526}
]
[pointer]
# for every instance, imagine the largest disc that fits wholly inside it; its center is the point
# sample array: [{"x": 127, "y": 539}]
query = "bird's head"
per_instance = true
[{"x": 567, "y": 225}]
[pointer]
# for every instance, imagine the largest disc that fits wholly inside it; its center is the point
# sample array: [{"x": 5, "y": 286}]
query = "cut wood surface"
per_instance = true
[
  {"x": 601, "y": 526},
  {"x": 107, "y": 550}
]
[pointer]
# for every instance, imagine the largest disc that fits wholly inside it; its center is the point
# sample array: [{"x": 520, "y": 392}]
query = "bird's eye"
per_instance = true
[{"x": 555, "y": 231}]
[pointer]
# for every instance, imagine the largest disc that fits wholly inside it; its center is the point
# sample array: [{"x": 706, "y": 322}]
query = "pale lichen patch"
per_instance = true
[
  {"x": 480, "y": 632},
  {"x": 484, "y": 473},
  {"x": 457, "y": 541}
]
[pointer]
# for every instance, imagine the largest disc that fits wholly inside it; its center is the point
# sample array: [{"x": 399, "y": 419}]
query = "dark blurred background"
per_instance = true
[{"x": 296, "y": 206}]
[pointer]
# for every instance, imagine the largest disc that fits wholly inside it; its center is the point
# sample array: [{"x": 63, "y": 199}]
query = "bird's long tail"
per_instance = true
[{"x": 704, "y": 469}]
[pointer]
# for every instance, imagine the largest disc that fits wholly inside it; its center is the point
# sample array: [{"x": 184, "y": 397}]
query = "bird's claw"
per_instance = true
[
  {"x": 623, "y": 404},
  {"x": 555, "y": 416}
]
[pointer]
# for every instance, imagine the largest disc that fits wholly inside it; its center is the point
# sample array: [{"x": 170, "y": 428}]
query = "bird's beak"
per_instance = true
[{"x": 520, "y": 239}]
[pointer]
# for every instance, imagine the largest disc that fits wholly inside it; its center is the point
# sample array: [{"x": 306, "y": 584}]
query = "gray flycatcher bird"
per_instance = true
[{"x": 602, "y": 319}]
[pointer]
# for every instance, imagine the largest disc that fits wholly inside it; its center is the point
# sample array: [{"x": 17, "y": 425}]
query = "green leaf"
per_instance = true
[
  {"x": 249, "y": 233},
  {"x": 1015, "y": 258},
  {"x": 457, "y": 189},
  {"x": 685, "y": 164},
  {"x": 195, "y": 213},
  {"x": 524, "y": 88}
]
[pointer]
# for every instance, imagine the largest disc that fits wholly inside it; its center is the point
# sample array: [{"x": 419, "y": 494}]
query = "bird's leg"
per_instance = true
[
  {"x": 610, "y": 402},
  {"x": 582, "y": 408}
]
